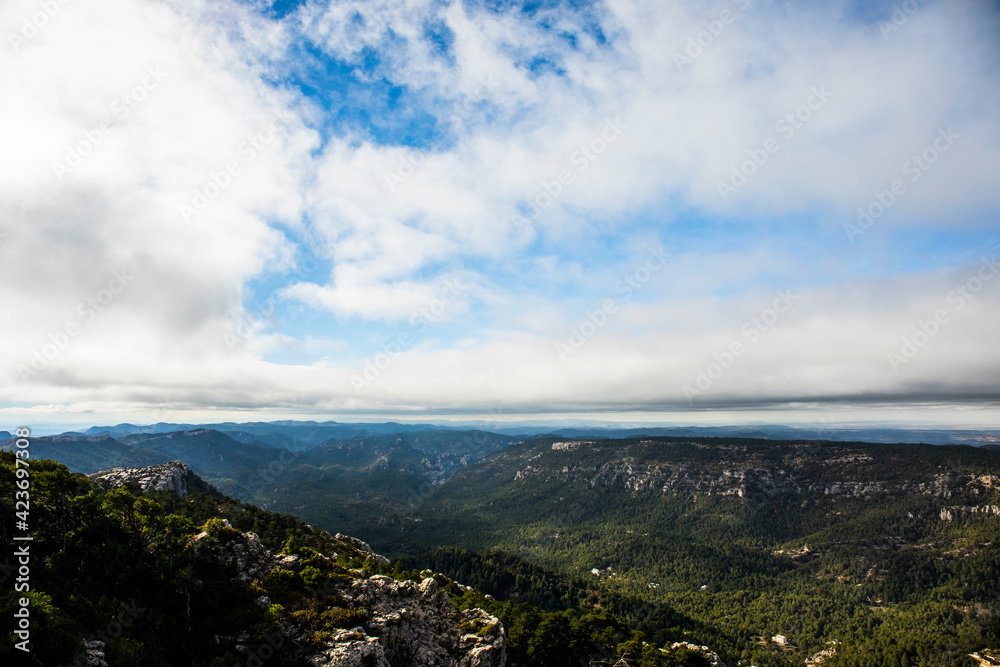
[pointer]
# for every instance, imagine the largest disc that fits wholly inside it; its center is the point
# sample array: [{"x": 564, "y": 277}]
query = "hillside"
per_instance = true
[
  {"x": 88, "y": 454},
  {"x": 851, "y": 553},
  {"x": 210, "y": 453},
  {"x": 353, "y": 482},
  {"x": 371, "y": 480},
  {"x": 153, "y": 566},
  {"x": 866, "y": 545},
  {"x": 187, "y": 576}
]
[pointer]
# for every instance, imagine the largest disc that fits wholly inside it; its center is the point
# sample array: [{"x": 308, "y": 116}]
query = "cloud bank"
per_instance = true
[{"x": 392, "y": 206}]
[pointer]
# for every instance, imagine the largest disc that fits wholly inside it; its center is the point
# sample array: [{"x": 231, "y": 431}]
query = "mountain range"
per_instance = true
[
  {"x": 852, "y": 553},
  {"x": 305, "y": 434}
]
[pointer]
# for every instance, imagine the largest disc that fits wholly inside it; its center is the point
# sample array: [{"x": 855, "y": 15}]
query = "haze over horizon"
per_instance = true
[{"x": 701, "y": 212}]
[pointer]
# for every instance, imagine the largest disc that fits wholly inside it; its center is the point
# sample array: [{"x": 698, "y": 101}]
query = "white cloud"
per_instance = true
[
  {"x": 159, "y": 110},
  {"x": 210, "y": 134}
]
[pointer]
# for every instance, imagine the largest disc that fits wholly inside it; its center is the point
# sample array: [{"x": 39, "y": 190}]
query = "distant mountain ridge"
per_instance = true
[
  {"x": 301, "y": 435},
  {"x": 210, "y": 453},
  {"x": 771, "y": 432},
  {"x": 727, "y": 531},
  {"x": 86, "y": 454},
  {"x": 397, "y": 466},
  {"x": 290, "y": 434}
]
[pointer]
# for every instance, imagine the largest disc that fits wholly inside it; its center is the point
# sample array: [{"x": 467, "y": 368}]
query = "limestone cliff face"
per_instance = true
[
  {"x": 171, "y": 476},
  {"x": 959, "y": 511},
  {"x": 811, "y": 471}
]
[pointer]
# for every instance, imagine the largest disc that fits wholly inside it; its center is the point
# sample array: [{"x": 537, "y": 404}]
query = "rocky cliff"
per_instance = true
[
  {"x": 808, "y": 470},
  {"x": 412, "y": 624},
  {"x": 173, "y": 476},
  {"x": 407, "y": 623}
]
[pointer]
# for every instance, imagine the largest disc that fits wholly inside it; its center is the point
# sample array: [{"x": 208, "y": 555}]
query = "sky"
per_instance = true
[{"x": 685, "y": 212}]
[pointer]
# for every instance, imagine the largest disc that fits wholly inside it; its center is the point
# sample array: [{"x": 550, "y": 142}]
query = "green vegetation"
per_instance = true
[
  {"x": 145, "y": 573},
  {"x": 879, "y": 555},
  {"x": 142, "y": 571},
  {"x": 878, "y": 571},
  {"x": 570, "y": 637}
]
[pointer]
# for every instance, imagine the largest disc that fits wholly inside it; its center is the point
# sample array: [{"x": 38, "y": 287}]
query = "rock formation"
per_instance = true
[
  {"x": 710, "y": 656},
  {"x": 171, "y": 476},
  {"x": 413, "y": 624}
]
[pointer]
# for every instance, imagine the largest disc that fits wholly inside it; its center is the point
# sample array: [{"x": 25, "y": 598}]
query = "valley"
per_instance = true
[{"x": 850, "y": 553}]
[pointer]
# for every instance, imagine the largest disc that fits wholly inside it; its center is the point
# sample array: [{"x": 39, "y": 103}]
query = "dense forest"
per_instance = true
[
  {"x": 769, "y": 553},
  {"x": 876, "y": 554}
]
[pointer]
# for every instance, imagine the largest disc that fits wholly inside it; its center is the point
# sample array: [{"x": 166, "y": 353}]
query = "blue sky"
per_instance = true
[{"x": 679, "y": 210}]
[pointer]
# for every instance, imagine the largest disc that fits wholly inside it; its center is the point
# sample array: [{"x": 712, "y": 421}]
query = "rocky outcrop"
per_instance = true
[
  {"x": 350, "y": 648},
  {"x": 408, "y": 623},
  {"x": 244, "y": 551},
  {"x": 171, "y": 476},
  {"x": 820, "y": 657},
  {"x": 361, "y": 546},
  {"x": 832, "y": 472},
  {"x": 93, "y": 654},
  {"x": 710, "y": 656},
  {"x": 413, "y": 624},
  {"x": 959, "y": 511},
  {"x": 567, "y": 446},
  {"x": 986, "y": 658}
]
